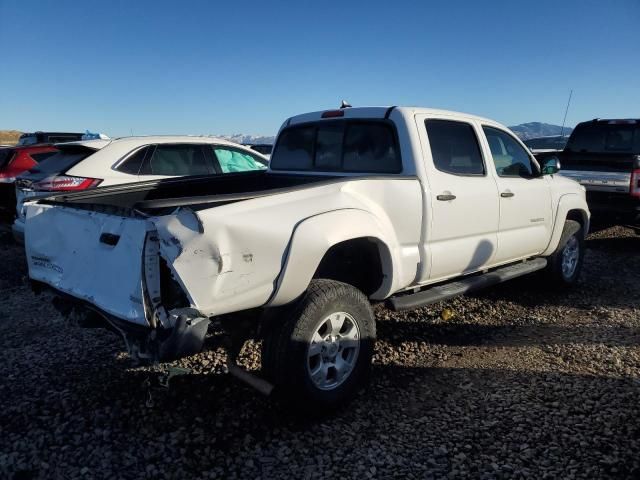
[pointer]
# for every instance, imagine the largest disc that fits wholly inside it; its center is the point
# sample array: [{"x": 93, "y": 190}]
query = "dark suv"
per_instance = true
[
  {"x": 604, "y": 156},
  {"x": 48, "y": 137}
]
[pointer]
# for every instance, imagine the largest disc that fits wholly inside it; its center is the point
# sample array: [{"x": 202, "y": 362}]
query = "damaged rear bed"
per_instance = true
[{"x": 156, "y": 259}]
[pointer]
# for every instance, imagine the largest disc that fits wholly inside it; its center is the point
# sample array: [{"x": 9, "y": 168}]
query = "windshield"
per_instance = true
[
  {"x": 364, "y": 146},
  {"x": 63, "y": 160}
]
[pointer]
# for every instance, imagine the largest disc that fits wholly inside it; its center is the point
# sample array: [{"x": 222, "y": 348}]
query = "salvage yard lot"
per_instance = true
[{"x": 519, "y": 381}]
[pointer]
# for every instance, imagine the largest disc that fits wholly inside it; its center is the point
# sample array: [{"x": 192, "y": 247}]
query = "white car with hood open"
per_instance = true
[{"x": 406, "y": 206}]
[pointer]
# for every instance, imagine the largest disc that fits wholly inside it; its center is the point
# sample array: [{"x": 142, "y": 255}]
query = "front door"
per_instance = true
[
  {"x": 525, "y": 198},
  {"x": 462, "y": 200}
]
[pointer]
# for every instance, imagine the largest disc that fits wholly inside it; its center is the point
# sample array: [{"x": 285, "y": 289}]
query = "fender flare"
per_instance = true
[
  {"x": 314, "y": 236},
  {"x": 567, "y": 202}
]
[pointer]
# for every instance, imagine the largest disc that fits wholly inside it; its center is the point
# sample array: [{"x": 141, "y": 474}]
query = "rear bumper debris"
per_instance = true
[{"x": 160, "y": 344}]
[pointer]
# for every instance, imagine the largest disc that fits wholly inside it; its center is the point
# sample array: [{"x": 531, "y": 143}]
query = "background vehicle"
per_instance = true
[
  {"x": 13, "y": 162},
  {"x": 405, "y": 205},
  {"x": 604, "y": 156},
  {"x": 100, "y": 163},
  {"x": 48, "y": 137},
  {"x": 263, "y": 148},
  {"x": 547, "y": 144}
]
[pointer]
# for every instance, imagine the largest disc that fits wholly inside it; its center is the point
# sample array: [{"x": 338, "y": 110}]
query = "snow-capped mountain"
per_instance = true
[{"x": 248, "y": 139}]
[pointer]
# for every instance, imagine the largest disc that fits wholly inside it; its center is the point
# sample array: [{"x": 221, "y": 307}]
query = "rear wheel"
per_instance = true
[
  {"x": 320, "y": 356},
  {"x": 565, "y": 263}
]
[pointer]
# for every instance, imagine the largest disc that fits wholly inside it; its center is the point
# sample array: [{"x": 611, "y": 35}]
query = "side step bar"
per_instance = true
[{"x": 465, "y": 285}]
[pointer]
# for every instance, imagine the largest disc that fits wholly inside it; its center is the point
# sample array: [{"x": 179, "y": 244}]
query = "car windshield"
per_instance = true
[{"x": 63, "y": 160}]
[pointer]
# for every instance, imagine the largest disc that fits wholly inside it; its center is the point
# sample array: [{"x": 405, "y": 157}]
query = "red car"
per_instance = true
[{"x": 13, "y": 162}]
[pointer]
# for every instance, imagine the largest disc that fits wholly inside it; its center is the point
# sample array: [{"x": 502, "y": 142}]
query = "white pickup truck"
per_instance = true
[{"x": 408, "y": 206}]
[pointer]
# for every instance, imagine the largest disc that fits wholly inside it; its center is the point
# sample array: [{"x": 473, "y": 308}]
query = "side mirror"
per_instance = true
[{"x": 551, "y": 166}]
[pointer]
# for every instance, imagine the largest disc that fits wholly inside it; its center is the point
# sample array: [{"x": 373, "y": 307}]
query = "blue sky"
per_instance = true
[{"x": 243, "y": 67}]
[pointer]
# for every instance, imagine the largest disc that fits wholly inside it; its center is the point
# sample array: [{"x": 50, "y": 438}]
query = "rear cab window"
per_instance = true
[
  {"x": 604, "y": 137},
  {"x": 348, "y": 146}
]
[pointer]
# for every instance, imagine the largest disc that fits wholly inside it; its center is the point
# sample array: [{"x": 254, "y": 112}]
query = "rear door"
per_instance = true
[
  {"x": 525, "y": 197},
  {"x": 461, "y": 235}
]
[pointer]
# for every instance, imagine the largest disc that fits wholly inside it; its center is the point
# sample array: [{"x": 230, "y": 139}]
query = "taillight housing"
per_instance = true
[
  {"x": 18, "y": 163},
  {"x": 634, "y": 186},
  {"x": 66, "y": 183}
]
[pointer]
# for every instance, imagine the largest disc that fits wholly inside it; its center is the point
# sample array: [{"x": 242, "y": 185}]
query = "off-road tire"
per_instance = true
[
  {"x": 285, "y": 347},
  {"x": 572, "y": 235}
]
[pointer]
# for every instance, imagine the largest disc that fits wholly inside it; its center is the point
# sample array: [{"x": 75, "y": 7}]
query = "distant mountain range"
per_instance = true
[
  {"x": 244, "y": 139},
  {"x": 538, "y": 129}
]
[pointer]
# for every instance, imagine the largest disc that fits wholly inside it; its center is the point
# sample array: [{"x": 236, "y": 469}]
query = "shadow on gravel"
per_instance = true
[
  {"x": 472, "y": 334},
  {"x": 417, "y": 420},
  {"x": 617, "y": 245}
]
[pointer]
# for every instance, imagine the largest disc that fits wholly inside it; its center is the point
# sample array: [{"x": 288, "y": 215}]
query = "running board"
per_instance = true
[{"x": 465, "y": 285}]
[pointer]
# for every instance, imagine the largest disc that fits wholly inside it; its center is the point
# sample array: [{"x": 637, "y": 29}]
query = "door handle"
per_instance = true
[
  {"x": 445, "y": 197},
  {"x": 109, "y": 239},
  {"x": 507, "y": 194}
]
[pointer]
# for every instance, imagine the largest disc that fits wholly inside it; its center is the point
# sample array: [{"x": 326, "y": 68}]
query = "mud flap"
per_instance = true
[{"x": 186, "y": 338}]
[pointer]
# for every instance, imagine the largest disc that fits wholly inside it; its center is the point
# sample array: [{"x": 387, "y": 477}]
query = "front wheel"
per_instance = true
[
  {"x": 565, "y": 263},
  {"x": 320, "y": 356}
]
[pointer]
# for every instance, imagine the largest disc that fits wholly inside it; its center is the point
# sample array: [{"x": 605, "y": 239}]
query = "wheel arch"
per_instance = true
[
  {"x": 570, "y": 207},
  {"x": 319, "y": 243}
]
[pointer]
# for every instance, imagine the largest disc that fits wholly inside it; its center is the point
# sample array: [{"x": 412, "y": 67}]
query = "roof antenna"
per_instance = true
[
  {"x": 565, "y": 113},
  {"x": 345, "y": 104}
]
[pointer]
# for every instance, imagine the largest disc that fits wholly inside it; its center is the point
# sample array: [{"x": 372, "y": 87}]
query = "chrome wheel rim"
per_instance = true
[
  {"x": 570, "y": 256},
  {"x": 333, "y": 350}
]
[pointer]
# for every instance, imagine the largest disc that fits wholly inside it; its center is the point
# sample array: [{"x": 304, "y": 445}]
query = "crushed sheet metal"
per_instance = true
[
  {"x": 204, "y": 254},
  {"x": 151, "y": 294}
]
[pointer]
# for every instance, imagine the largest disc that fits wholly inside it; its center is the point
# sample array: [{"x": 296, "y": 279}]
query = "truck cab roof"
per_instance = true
[{"x": 379, "y": 112}]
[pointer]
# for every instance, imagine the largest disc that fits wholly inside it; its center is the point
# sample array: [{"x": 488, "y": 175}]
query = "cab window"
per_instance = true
[
  {"x": 509, "y": 157},
  {"x": 358, "y": 146},
  {"x": 454, "y": 147}
]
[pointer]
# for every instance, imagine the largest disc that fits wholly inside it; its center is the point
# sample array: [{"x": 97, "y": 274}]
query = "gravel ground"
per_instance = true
[{"x": 517, "y": 382}]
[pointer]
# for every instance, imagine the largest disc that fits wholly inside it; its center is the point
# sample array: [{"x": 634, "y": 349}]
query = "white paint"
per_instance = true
[
  {"x": 64, "y": 250},
  {"x": 264, "y": 251}
]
